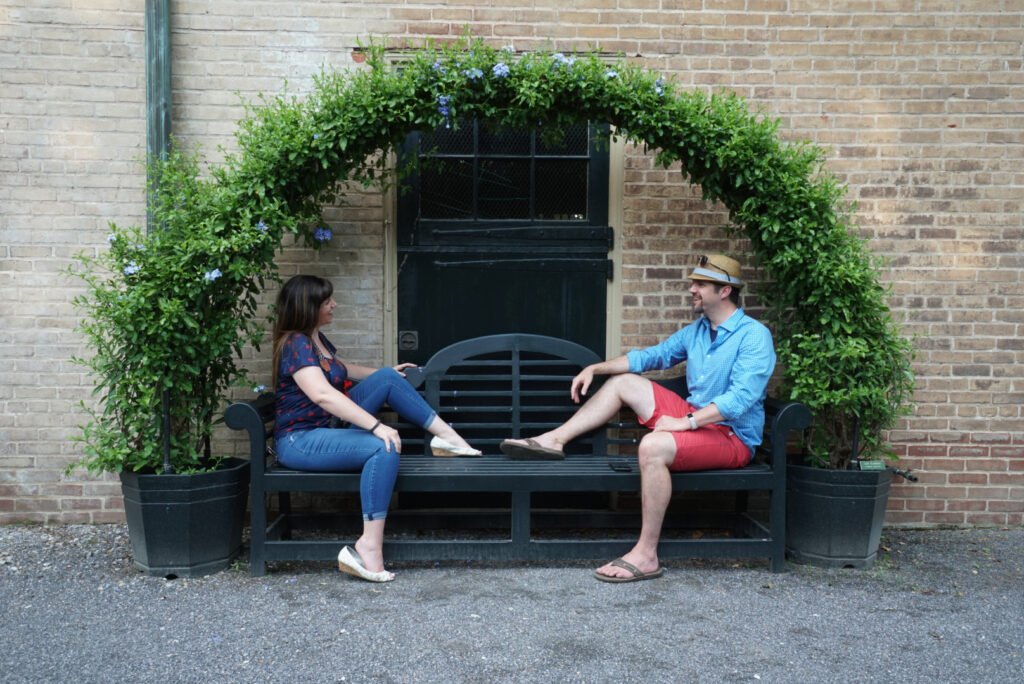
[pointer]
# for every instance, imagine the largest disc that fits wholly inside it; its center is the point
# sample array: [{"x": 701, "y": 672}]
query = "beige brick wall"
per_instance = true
[
  {"x": 72, "y": 93},
  {"x": 920, "y": 105}
]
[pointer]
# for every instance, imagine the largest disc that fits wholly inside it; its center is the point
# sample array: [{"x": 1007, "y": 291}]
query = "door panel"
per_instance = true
[{"x": 449, "y": 297}]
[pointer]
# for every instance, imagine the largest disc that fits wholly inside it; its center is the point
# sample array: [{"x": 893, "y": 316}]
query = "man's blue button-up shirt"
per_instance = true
[{"x": 732, "y": 372}]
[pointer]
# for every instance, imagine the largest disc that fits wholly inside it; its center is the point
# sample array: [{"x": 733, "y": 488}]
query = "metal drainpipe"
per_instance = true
[
  {"x": 158, "y": 133},
  {"x": 158, "y": 79}
]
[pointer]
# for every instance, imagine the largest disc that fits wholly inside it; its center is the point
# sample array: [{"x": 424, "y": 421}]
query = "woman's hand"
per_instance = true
[
  {"x": 389, "y": 436},
  {"x": 402, "y": 366}
]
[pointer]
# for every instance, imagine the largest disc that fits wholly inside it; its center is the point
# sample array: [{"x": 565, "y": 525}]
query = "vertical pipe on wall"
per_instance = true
[
  {"x": 158, "y": 135},
  {"x": 158, "y": 83}
]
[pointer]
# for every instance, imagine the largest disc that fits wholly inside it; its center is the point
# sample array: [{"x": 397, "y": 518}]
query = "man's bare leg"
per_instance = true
[
  {"x": 627, "y": 389},
  {"x": 657, "y": 451}
]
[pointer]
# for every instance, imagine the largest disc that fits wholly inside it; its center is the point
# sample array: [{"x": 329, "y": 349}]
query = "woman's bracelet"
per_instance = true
[{"x": 375, "y": 426}]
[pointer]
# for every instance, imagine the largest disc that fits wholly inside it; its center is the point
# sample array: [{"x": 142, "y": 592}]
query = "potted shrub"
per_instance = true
[
  {"x": 165, "y": 314},
  {"x": 845, "y": 359}
]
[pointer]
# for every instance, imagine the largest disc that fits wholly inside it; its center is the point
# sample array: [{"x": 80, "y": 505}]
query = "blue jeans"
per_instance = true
[{"x": 343, "y": 450}]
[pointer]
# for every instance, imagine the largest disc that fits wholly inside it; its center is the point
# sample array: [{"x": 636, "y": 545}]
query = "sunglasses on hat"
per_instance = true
[{"x": 703, "y": 261}]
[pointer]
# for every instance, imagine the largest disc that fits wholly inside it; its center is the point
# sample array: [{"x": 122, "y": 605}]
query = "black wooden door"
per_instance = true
[{"x": 500, "y": 231}]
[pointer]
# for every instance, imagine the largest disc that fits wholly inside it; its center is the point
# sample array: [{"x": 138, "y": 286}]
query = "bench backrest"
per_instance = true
[
  {"x": 500, "y": 386},
  {"x": 515, "y": 385}
]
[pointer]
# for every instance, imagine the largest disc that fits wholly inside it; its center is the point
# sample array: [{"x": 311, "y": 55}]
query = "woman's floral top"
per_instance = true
[{"x": 293, "y": 410}]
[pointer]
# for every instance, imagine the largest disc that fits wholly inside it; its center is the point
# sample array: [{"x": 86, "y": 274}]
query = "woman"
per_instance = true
[{"x": 311, "y": 390}]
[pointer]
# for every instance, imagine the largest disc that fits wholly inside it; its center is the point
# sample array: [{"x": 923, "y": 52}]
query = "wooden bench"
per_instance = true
[{"x": 491, "y": 388}]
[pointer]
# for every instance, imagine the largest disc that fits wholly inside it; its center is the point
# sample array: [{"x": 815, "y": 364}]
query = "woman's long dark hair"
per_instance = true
[{"x": 298, "y": 310}]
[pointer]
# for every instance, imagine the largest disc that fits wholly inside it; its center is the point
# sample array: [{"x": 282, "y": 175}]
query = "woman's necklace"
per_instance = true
[{"x": 325, "y": 359}]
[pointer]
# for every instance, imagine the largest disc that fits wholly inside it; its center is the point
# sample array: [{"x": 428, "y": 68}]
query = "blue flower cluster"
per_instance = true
[
  {"x": 132, "y": 268},
  {"x": 323, "y": 234},
  {"x": 210, "y": 276},
  {"x": 562, "y": 60},
  {"x": 659, "y": 87},
  {"x": 500, "y": 70},
  {"x": 443, "y": 109},
  {"x": 261, "y": 226},
  {"x": 473, "y": 74}
]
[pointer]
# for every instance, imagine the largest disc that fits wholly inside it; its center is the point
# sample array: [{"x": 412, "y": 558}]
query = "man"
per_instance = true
[{"x": 730, "y": 358}]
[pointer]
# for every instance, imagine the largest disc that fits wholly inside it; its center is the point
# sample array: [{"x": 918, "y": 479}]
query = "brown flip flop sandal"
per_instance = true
[
  {"x": 638, "y": 575},
  {"x": 531, "y": 451}
]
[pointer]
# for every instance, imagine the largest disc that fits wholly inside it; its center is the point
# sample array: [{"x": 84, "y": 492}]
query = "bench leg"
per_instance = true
[
  {"x": 777, "y": 510},
  {"x": 258, "y": 534}
]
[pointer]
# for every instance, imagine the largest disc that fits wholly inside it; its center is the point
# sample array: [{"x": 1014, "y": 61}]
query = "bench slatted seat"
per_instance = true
[{"x": 490, "y": 388}]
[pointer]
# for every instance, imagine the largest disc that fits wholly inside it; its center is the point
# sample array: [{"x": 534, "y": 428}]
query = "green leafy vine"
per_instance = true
[{"x": 172, "y": 309}]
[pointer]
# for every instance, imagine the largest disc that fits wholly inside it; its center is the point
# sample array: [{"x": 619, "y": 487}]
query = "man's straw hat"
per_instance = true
[{"x": 717, "y": 268}]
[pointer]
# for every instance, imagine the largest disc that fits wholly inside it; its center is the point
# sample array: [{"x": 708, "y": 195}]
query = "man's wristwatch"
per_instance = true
[{"x": 693, "y": 421}]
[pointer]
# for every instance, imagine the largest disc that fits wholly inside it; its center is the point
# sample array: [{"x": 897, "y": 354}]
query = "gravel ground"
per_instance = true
[{"x": 939, "y": 606}]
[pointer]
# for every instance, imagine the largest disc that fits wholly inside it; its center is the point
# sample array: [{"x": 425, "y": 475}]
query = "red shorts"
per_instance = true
[{"x": 706, "y": 448}]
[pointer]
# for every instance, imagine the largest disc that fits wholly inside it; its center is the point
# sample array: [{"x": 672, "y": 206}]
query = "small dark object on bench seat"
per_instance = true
[{"x": 495, "y": 387}]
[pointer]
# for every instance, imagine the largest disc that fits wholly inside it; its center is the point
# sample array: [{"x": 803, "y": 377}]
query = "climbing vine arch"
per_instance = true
[{"x": 840, "y": 349}]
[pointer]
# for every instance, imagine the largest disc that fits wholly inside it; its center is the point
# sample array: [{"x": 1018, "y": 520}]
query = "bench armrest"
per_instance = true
[
  {"x": 256, "y": 418},
  {"x": 783, "y": 418}
]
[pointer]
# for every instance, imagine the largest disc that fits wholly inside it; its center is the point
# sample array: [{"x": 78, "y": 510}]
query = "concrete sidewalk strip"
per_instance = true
[{"x": 939, "y": 606}]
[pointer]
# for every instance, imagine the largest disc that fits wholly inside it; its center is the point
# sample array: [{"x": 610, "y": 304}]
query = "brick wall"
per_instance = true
[{"x": 920, "y": 105}]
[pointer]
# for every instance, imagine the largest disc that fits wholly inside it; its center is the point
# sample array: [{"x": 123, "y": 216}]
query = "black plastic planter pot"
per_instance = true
[
  {"x": 186, "y": 525},
  {"x": 834, "y": 517}
]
